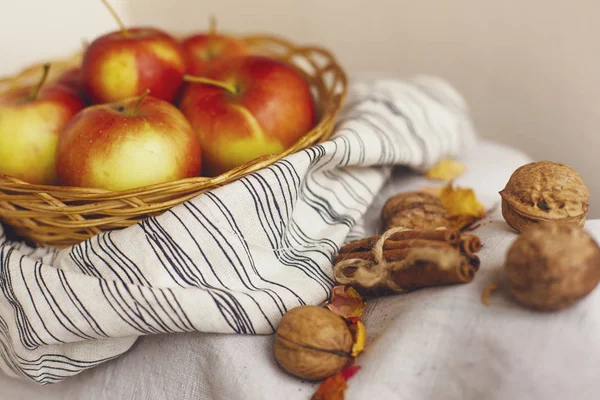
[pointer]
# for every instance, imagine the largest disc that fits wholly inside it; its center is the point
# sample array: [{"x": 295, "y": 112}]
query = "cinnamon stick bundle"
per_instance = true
[
  {"x": 402, "y": 260},
  {"x": 419, "y": 268}
]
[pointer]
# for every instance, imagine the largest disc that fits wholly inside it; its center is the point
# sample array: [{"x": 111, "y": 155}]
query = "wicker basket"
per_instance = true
[{"x": 61, "y": 216}]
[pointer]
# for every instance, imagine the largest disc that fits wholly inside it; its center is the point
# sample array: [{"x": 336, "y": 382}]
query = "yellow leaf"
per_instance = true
[
  {"x": 462, "y": 221},
  {"x": 462, "y": 206},
  {"x": 359, "y": 334},
  {"x": 460, "y": 201},
  {"x": 446, "y": 170},
  {"x": 346, "y": 302}
]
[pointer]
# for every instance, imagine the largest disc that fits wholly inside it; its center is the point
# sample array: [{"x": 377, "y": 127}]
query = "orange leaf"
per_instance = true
[
  {"x": 346, "y": 302},
  {"x": 333, "y": 388},
  {"x": 462, "y": 206},
  {"x": 446, "y": 170},
  {"x": 359, "y": 334}
]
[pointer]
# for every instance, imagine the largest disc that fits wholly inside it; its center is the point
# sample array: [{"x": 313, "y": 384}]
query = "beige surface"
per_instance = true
[
  {"x": 432, "y": 344},
  {"x": 527, "y": 68}
]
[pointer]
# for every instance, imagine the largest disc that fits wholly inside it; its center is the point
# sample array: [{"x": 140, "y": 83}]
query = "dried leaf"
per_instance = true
[
  {"x": 359, "y": 334},
  {"x": 485, "y": 296},
  {"x": 346, "y": 302},
  {"x": 333, "y": 388},
  {"x": 460, "y": 201},
  {"x": 462, "y": 222},
  {"x": 446, "y": 170},
  {"x": 462, "y": 206},
  {"x": 350, "y": 371}
]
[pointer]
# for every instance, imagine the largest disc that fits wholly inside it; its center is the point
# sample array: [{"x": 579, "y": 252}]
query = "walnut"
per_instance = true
[
  {"x": 544, "y": 191},
  {"x": 312, "y": 343},
  {"x": 414, "y": 210},
  {"x": 552, "y": 266}
]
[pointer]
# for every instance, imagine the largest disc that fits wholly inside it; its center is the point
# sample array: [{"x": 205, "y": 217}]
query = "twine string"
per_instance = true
[{"x": 371, "y": 274}]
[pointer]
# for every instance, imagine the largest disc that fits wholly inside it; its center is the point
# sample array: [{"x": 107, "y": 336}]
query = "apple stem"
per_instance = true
[
  {"x": 223, "y": 85},
  {"x": 139, "y": 101},
  {"x": 212, "y": 25},
  {"x": 124, "y": 30},
  {"x": 35, "y": 91}
]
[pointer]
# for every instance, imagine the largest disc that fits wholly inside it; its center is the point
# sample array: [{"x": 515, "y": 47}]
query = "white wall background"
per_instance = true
[{"x": 528, "y": 68}]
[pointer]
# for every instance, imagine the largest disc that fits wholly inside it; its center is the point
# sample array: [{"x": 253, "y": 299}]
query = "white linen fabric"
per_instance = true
[
  {"x": 431, "y": 344},
  {"x": 233, "y": 260}
]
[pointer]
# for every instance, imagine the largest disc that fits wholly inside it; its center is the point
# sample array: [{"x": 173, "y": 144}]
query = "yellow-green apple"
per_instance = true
[
  {"x": 245, "y": 107},
  {"x": 128, "y": 144},
  {"x": 124, "y": 63},
  {"x": 31, "y": 119},
  {"x": 203, "y": 49}
]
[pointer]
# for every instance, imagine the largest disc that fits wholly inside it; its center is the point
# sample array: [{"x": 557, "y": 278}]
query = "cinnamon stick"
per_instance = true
[
  {"x": 428, "y": 274},
  {"x": 393, "y": 250},
  {"x": 470, "y": 244},
  {"x": 443, "y": 235},
  {"x": 447, "y": 235},
  {"x": 474, "y": 261},
  {"x": 365, "y": 244},
  {"x": 369, "y": 243},
  {"x": 388, "y": 255},
  {"x": 404, "y": 244}
]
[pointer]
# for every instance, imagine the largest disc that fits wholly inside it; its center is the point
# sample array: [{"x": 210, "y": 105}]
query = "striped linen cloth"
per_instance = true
[{"x": 233, "y": 260}]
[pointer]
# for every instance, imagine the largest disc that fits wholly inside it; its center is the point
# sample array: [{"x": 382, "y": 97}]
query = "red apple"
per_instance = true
[
  {"x": 31, "y": 119},
  {"x": 202, "y": 50},
  {"x": 71, "y": 78},
  {"x": 246, "y": 107},
  {"x": 123, "y": 64},
  {"x": 128, "y": 144}
]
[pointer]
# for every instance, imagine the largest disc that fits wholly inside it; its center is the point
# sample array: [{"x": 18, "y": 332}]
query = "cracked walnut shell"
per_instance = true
[
  {"x": 313, "y": 343},
  {"x": 552, "y": 266},
  {"x": 544, "y": 191}
]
